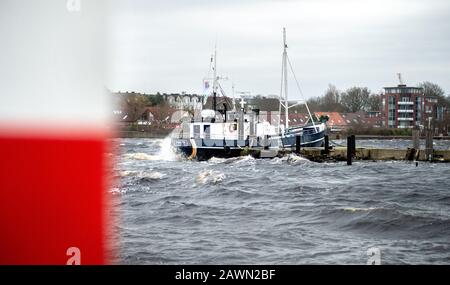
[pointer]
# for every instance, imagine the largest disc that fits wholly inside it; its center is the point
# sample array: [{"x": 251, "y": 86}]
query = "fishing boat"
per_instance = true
[
  {"x": 229, "y": 132},
  {"x": 225, "y": 130}
]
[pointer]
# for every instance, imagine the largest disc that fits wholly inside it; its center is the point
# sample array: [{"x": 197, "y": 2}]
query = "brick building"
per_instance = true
[{"x": 403, "y": 106}]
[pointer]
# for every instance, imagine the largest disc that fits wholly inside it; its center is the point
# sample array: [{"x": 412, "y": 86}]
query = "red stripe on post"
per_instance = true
[{"x": 52, "y": 198}]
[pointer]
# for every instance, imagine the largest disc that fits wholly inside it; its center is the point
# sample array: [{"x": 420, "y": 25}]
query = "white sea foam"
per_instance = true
[
  {"x": 295, "y": 159},
  {"x": 216, "y": 160},
  {"x": 141, "y": 156},
  {"x": 352, "y": 209},
  {"x": 232, "y": 160},
  {"x": 210, "y": 177},
  {"x": 247, "y": 158},
  {"x": 165, "y": 152},
  {"x": 116, "y": 190},
  {"x": 128, "y": 173},
  {"x": 150, "y": 175}
]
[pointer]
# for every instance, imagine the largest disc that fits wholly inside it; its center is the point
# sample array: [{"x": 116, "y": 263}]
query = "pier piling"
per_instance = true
[
  {"x": 416, "y": 139},
  {"x": 327, "y": 145},
  {"x": 353, "y": 145},
  {"x": 429, "y": 145},
  {"x": 298, "y": 141},
  {"x": 351, "y": 149}
]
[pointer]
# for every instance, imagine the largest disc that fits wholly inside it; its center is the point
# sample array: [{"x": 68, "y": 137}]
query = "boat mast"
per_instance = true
[
  {"x": 284, "y": 102},
  {"x": 285, "y": 82},
  {"x": 215, "y": 85}
]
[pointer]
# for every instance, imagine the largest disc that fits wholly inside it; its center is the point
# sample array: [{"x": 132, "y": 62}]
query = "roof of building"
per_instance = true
[
  {"x": 297, "y": 118},
  {"x": 403, "y": 86},
  {"x": 335, "y": 118},
  {"x": 355, "y": 118}
]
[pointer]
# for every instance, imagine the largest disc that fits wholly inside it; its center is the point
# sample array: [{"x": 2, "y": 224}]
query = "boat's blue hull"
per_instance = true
[
  {"x": 204, "y": 149},
  {"x": 308, "y": 138},
  {"x": 207, "y": 153}
]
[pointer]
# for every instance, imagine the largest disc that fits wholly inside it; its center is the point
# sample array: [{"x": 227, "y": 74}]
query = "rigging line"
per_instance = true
[
  {"x": 281, "y": 94},
  {"x": 221, "y": 90},
  {"x": 301, "y": 93},
  {"x": 226, "y": 99}
]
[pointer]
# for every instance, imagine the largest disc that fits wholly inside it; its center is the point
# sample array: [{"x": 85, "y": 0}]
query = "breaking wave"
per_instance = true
[
  {"x": 149, "y": 175},
  {"x": 291, "y": 159},
  {"x": 152, "y": 175},
  {"x": 232, "y": 160},
  {"x": 351, "y": 209},
  {"x": 141, "y": 156},
  {"x": 165, "y": 152},
  {"x": 295, "y": 159},
  {"x": 210, "y": 177}
]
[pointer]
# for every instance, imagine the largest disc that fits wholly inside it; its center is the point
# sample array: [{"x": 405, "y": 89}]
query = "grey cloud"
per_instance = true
[{"x": 165, "y": 45}]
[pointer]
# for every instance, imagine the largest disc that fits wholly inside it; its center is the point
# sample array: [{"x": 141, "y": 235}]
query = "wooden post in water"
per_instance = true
[
  {"x": 327, "y": 145},
  {"x": 416, "y": 139},
  {"x": 298, "y": 141},
  {"x": 351, "y": 144},
  {"x": 266, "y": 142},
  {"x": 429, "y": 144}
]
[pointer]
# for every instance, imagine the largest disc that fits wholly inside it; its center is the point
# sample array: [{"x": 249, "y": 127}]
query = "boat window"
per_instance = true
[
  {"x": 207, "y": 131},
  {"x": 196, "y": 131}
]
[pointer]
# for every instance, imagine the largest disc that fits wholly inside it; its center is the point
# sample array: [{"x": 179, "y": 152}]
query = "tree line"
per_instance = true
[
  {"x": 352, "y": 100},
  {"x": 356, "y": 99}
]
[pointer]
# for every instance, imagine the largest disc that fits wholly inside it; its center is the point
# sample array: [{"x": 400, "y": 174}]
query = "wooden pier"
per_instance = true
[
  {"x": 340, "y": 154},
  {"x": 330, "y": 154}
]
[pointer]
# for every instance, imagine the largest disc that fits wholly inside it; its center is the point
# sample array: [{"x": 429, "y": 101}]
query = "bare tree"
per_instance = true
[
  {"x": 315, "y": 104},
  {"x": 331, "y": 100},
  {"x": 433, "y": 90},
  {"x": 374, "y": 103},
  {"x": 355, "y": 99}
]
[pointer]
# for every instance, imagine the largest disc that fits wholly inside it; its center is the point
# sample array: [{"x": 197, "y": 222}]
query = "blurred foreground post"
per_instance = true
[{"x": 54, "y": 130}]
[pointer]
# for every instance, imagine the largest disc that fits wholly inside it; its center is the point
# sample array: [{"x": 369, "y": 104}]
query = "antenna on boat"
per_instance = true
[
  {"x": 215, "y": 79},
  {"x": 234, "y": 97}
]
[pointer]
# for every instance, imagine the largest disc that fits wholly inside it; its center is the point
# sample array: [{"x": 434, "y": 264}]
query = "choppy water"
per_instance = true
[{"x": 278, "y": 211}]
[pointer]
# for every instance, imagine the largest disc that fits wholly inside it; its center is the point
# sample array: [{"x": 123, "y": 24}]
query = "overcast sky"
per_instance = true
[{"x": 166, "y": 46}]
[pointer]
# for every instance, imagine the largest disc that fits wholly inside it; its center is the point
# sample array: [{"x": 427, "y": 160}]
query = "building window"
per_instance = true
[
  {"x": 405, "y": 99},
  {"x": 391, "y": 112}
]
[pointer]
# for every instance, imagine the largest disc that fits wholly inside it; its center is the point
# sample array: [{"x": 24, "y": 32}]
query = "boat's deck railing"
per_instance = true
[{"x": 186, "y": 135}]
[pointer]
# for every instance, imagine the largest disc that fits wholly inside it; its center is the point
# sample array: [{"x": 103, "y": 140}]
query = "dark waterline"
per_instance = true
[{"x": 283, "y": 211}]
